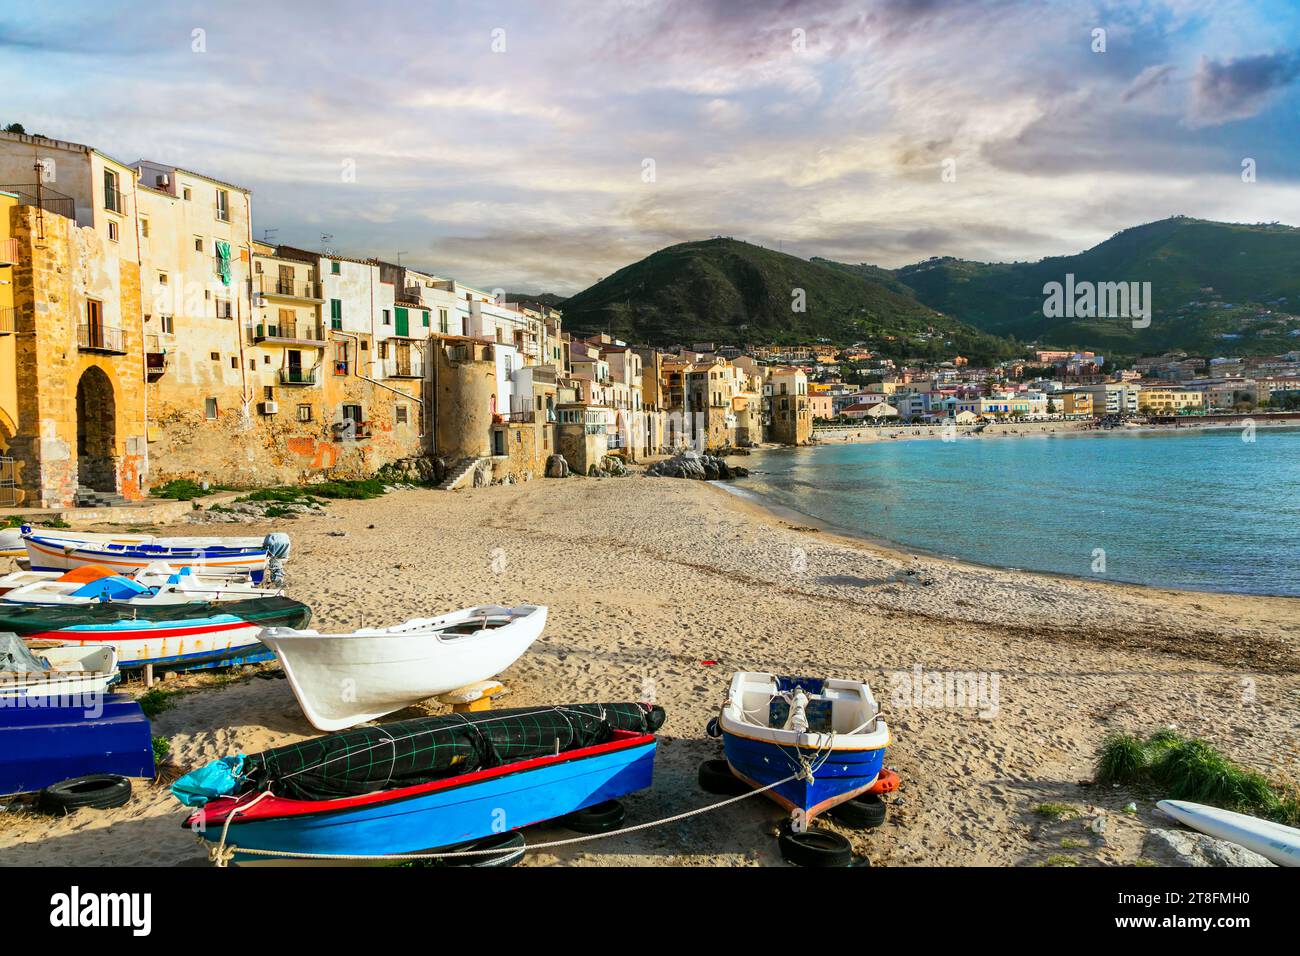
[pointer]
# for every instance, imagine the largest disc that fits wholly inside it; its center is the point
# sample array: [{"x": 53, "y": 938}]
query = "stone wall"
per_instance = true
[{"x": 62, "y": 267}]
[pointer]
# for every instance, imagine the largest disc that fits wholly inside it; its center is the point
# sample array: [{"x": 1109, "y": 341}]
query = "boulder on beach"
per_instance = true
[
  {"x": 1186, "y": 848},
  {"x": 692, "y": 464},
  {"x": 557, "y": 467}
]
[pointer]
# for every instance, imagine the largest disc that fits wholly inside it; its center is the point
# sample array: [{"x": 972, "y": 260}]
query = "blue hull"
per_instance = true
[
  {"x": 43, "y": 745},
  {"x": 452, "y": 813},
  {"x": 843, "y": 776}
]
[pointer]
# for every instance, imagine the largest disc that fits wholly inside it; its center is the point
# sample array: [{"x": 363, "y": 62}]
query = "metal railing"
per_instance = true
[
  {"x": 36, "y": 194},
  {"x": 304, "y": 332},
  {"x": 294, "y": 288},
  {"x": 519, "y": 417},
  {"x": 403, "y": 367},
  {"x": 8, "y": 483},
  {"x": 100, "y": 338},
  {"x": 114, "y": 200},
  {"x": 297, "y": 376}
]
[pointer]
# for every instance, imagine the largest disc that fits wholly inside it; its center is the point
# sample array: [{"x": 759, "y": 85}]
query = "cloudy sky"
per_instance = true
[{"x": 540, "y": 146}]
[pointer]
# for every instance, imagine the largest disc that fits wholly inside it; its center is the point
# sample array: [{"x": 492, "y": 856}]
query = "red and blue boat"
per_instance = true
[
  {"x": 826, "y": 733},
  {"x": 438, "y": 782},
  {"x": 200, "y": 634}
]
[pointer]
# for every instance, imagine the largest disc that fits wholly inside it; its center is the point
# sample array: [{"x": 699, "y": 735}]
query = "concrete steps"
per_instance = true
[
  {"x": 459, "y": 472},
  {"x": 90, "y": 498}
]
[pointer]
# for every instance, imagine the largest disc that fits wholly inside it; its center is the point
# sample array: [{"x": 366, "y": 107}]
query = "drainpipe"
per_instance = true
[
  {"x": 144, "y": 348},
  {"x": 244, "y": 394}
]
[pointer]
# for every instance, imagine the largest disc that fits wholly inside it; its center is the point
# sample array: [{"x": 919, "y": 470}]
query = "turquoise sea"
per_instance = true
[{"x": 1197, "y": 509}]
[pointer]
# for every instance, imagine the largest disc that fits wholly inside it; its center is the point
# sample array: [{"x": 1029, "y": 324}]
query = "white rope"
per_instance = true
[{"x": 222, "y": 854}]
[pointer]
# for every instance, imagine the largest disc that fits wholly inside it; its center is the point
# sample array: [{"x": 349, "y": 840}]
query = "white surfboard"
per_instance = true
[{"x": 1273, "y": 841}]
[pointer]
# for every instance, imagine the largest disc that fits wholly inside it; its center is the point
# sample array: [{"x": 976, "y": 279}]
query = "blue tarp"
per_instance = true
[{"x": 218, "y": 779}]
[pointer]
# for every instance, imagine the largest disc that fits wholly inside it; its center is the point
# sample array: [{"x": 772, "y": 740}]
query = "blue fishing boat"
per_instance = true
[
  {"x": 827, "y": 732},
  {"x": 50, "y": 550},
  {"x": 57, "y": 739},
  {"x": 441, "y": 781}
]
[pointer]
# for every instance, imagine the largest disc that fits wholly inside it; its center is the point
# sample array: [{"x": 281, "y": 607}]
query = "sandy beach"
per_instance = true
[{"x": 679, "y": 583}]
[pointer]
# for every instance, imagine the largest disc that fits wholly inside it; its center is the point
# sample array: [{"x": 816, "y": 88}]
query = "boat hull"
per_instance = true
[
  {"x": 843, "y": 775},
  {"x": 385, "y": 672},
  {"x": 55, "y": 554},
  {"x": 1276, "y": 842},
  {"x": 438, "y": 814},
  {"x": 206, "y": 635},
  {"x": 41, "y": 744}
]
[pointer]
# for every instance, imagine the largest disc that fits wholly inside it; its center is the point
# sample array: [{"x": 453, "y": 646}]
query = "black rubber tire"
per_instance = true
[
  {"x": 98, "y": 791},
  {"x": 864, "y": 812},
  {"x": 511, "y": 843},
  {"x": 815, "y": 848},
  {"x": 716, "y": 777},
  {"x": 598, "y": 818},
  {"x": 713, "y": 728}
]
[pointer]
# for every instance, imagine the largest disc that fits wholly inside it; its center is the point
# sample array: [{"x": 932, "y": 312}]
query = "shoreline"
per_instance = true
[
  {"x": 995, "y": 429},
  {"x": 902, "y": 550}
]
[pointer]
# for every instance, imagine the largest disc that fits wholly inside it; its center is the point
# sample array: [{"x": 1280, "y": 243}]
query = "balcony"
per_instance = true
[
  {"x": 100, "y": 338},
  {"x": 8, "y": 252},
  {"x": 308, "y": 334},
  {"x": 522, "y": 417},
  {"x": 404, "y": 367},
  {"x": 306, "y": 290},
  {"x": 155, "y": 358},
  {"x": 7, "y": 319},
  {"x": 293, "y": 375},
  {"x": 36, "y": 194}
]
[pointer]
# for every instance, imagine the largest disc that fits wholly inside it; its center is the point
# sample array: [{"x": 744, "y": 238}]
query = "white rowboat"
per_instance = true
[
  {"x": 342, "y": 680},
  {"x": 76, "y": 672}
]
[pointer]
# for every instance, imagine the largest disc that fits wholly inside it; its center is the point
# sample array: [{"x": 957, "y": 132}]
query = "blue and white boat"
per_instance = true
[
  {"x": 50, "y": 550},
  {"x": 827, "y": 731}
]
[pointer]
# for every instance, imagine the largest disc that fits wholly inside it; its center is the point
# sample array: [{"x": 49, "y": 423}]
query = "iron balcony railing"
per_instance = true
[
  {"x": 520, "y": 417},
  {"x": 403, "y": 367},
  {"x": 303, "y": 332},
  {"x": 292, "y": 288},
  {"x": 100, "y": 338},
  {"x": 297, "y": 376},
  {"x": 113, "y": 200},
  {"x": 36, "y": 194}
]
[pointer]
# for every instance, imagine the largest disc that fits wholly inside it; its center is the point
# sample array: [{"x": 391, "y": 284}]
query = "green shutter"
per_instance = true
[
  {"x": 336, "y": 313},
  {"x": 403, "y": 323},
  {"x": 425, "y": 314}
]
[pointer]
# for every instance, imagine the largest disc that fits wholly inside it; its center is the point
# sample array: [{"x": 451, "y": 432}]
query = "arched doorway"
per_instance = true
[{"x": 96, "y": 434}]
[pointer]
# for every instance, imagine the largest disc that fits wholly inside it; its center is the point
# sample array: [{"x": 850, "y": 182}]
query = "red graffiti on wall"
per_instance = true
[{"x": 322, "y": 454}]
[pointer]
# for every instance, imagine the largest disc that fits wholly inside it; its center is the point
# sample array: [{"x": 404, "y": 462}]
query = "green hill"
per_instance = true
[
  {"x": 1208, "y": 280},
  {"x": 728, "y": 291}
]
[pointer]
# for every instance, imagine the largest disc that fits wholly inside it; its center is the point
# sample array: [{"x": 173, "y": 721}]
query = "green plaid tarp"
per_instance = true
[{"x": 410, "y": 752}]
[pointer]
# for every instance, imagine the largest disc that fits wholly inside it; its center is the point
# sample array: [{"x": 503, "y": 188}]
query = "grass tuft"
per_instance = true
[{"x": 1181, "y": 768}]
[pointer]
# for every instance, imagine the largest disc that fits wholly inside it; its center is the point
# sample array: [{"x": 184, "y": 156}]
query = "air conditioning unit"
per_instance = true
[{"x": 268, "y": 408}]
